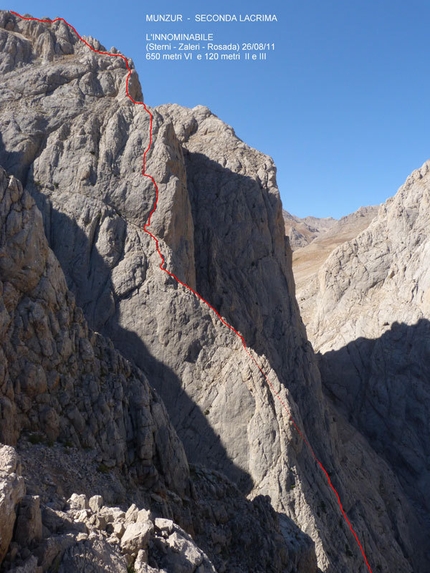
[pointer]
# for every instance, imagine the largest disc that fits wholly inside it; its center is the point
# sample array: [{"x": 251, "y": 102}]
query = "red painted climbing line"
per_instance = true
[{"x": 178, "y": 280}]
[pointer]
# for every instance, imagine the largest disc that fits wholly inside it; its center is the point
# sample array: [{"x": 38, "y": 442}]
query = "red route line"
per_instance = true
[{"x": 178, "y": 280}]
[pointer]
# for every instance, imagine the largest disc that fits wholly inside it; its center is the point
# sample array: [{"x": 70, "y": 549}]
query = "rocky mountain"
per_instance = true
[
  {"x": 368, "y": 317},
  {"x": 170, "y": 235},
  {"x": 83, "y": 417},
  {"x": 307, "y": 260},
  {"x": 301, "y": 232}
]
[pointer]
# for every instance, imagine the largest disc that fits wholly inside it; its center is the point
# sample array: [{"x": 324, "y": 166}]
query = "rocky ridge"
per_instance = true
[
  {"x": 301, "y": 232},
  {"x": 76, "y": 142}
]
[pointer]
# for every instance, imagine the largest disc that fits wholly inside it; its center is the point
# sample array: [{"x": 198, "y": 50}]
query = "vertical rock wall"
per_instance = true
[{"x": 76, "y": 142}]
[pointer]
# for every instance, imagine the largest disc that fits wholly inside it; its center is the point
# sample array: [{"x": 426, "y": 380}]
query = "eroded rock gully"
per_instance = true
[{"x": 75, "y": 141}]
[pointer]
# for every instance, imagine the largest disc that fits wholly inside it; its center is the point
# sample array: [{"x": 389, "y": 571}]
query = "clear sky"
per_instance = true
[{"x": 341, "y": 104}]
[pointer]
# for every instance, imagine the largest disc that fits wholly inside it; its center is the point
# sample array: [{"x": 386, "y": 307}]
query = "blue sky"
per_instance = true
[{"x": 341, "y": 104}]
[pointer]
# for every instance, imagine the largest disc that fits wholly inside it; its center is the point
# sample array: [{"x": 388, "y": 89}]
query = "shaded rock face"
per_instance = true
[
  {"x": 59, "y": 378},
  {"x": 12, "y": 490},
  {"x": 76, "y": 142},
  {"x": 386, "y": 395},
  {"x": 370, "y": 324},
  {"x": 241, "y": 257},
  {"x": 91, "y": 397}
]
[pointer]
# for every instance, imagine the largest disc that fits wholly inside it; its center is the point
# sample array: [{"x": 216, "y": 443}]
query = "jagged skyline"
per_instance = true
[
  {"x": 333, "y": 104},
  {"x": 74, "y": 139}
]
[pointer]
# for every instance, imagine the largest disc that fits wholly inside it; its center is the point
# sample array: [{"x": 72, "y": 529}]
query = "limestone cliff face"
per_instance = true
[
  {"x": 59, "y": 378},
  {"x": 308, "y": 260},
  {"x": 370, "y": 321},
  {"x": 385, "y": 269},
  {"x": 76, "y": 142},
  {"x": 68, "y": 387}
]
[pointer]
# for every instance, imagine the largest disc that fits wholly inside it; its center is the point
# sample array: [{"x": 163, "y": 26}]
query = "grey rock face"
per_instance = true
[
  {"x": 308, "y": 259},
  {"x": 370, "y": 323},
  {"x": 58, "y": 378},
  {"x": 89, "y": 364},
  {"x": 76, "y": 142},
  {"x": 113, "y": 268},
  {"x": 393, "y": 278},
  {"x": 73, "y": 537},
  {"x": 12, "y": 490}
]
